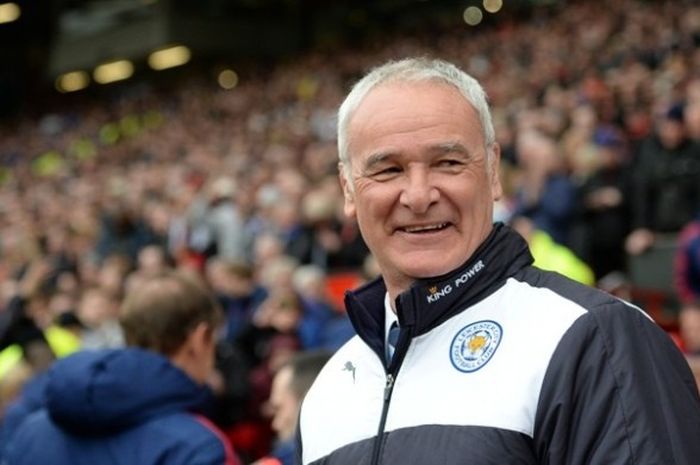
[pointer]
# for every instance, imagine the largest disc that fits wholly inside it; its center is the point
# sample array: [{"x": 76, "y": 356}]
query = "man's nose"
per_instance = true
[{"x": 419, "y": 192}]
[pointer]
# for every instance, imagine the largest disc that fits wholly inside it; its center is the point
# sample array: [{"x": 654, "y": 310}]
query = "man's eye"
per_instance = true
[
  {"x": 448, "y": 163},
  {"x": 387, "y": 172}
]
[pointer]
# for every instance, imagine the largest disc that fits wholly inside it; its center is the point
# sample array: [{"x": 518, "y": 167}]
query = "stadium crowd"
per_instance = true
[{"x": 596, "y": 107}]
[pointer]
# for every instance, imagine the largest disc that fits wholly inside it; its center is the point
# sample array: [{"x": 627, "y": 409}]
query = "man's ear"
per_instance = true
[
  {"x": 348, "y": 192},
  {"x": 495, "y": 171},
  {"x": 200, "y": 338},
  {"x": 195, "y": 356}
]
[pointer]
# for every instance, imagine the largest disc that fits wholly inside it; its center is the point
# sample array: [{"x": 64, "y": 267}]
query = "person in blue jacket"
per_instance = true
[{"x": 139, "y": 405}]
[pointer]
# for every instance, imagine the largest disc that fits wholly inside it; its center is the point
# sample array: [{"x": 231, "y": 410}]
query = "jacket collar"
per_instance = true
[{"x": 430, "y": 302}]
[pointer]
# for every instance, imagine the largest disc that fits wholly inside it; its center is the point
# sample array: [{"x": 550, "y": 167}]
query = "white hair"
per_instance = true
[{"x": 413, "y": 70}]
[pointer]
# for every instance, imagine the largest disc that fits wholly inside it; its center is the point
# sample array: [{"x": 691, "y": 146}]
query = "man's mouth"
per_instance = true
[{"x": 427, "y": 228}]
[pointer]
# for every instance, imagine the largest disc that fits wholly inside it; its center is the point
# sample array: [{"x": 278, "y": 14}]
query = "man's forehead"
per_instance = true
[
  {"x": 401, "y": 101},
  {"x": 397, "y": 98}
]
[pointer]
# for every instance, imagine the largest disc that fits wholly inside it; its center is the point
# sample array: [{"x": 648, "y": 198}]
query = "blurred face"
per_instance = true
[
  {"x": 216, "y": 275},
  {"x": 284, "y": 405},
  {"x": 151, "y": 260},
  {"x": 692, "y": 119},
  {"x": 95, "y": 308},
  {"x": 281, "y": 312},
  {"x": 689, "y": 322},
  {"x": 671, "y": 133},
  {"x": 111, "y": 278},
  {"x": 420, "y": 187}
]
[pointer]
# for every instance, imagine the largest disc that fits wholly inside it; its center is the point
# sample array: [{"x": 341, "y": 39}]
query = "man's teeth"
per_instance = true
[{"x": 431, "y": 227}]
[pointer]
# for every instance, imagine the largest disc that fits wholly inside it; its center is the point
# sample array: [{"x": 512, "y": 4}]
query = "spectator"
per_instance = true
[
  {"x": 237, "y": 291},
  {"x": 217, "y": 227},
  {"x": 689, "y": 326},
  {"x": 603, "y": 212},
  {"x": 265, "y": 344},
  {"x": 667, "y": 182},
  {"x": 322, "y": 325},
  {"x": 310, "y": 285},
  {"x": 687, "y": 262},
  {"x": 546, "y": 194},
  {"x": 111, "y": 276},
  {"x": 99, "y": 312},
  {"x": 150, "y": 261},
  {"x": 551, "y": 256},
  {"x": 691, "y": 114},
  {"x": 123, "y": 231},
  {"x": 134, "y": 405},
  {"x": 325, "y": 241},
  {"x": 27, "y": 328},
  {"x": 289, "y": 386}
]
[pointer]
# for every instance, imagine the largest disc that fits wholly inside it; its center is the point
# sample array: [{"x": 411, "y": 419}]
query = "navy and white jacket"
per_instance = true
[
  {"x": 498, "y": 363},
  {"x": 118, "y": 407}
]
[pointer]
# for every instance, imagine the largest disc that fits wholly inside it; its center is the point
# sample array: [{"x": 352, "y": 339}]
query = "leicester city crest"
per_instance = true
[{"x": 474, "y": 345}]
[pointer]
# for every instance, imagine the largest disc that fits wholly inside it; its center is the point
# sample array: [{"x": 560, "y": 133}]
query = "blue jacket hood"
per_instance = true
[{"x": 98, "y": 392}]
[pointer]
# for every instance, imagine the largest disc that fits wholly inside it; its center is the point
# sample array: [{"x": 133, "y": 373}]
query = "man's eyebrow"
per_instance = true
[
  {"x": 437, "y": 149},
  {"x": 375, "y": 159},
  {"x": 450, "y": 147}
]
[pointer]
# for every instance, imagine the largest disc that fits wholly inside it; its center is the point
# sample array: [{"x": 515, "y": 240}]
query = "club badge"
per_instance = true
[{"x": 474, "y": 345}]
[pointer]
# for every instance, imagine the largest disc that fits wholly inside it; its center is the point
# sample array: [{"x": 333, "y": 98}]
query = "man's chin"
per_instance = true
[
  {"x": 414, "y": 266},
  {"x": 427, "y": 272}
]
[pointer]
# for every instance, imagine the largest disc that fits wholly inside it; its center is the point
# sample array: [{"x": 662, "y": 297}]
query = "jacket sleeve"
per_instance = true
[{"x": 617, "y": 391}]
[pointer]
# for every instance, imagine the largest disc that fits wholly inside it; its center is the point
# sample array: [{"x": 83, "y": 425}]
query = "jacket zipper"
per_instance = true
[
  {"x": 379, "y": 440},
  {"x": 392, "y": 369}
]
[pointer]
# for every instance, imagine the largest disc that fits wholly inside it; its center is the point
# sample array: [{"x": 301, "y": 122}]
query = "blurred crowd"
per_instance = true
[{"x": 596, "y": 108}]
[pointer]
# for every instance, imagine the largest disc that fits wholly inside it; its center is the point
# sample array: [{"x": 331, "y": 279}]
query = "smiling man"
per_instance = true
[
  {"x": 422, "y": 180},
  {"x": 465, "y": 353}
]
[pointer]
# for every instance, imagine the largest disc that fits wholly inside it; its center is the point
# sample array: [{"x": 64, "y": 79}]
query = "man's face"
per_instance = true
[
  {"x": 284, "y": 405},
  {"x": 421, "y": 189}
]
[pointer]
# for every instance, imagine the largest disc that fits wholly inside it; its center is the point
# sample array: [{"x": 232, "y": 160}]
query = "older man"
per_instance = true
[{"x": 493, "y": 361}]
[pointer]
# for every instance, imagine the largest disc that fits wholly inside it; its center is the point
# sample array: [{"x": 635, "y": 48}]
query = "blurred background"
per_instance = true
[
  {"x": 61, "y": 43},
  {"x": 139, "y": 135}
]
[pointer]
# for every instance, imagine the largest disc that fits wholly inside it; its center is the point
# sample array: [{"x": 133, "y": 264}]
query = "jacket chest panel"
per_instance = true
[{"x": 485, "y": 366}]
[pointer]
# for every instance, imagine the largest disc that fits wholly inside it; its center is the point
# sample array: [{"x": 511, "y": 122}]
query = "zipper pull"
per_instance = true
[{"x": 389, "y": 386}]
